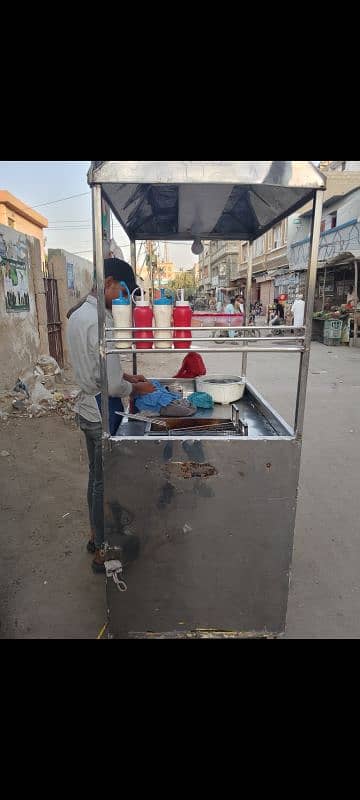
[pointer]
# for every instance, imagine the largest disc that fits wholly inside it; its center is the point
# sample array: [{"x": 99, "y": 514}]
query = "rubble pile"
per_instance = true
[{"x": 40, "y": 392}]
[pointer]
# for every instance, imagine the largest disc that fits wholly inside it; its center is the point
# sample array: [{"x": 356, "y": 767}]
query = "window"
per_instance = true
[
  {"x": 244, "y": 253},
  {"x": 329, "y": 222},
  {"x": 11, "y": 222},
  {"x": 277, "y": 237},
  {"x": 259, "y": 247}
]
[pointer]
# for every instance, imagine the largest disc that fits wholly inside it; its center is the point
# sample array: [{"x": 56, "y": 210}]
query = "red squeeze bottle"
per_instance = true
[
  {"x": 182, "y": 319},
  {"x": 143, "y": 318}
]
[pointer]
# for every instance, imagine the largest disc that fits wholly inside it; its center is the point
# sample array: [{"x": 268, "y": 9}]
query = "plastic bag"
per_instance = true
[
  {"x": 192, "y": 367},
  {"x": 49, "y": 365},
  {"x": 41, "y": 395}
]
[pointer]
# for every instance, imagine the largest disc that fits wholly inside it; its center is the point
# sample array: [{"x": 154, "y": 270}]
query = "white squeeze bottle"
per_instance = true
[
  {"x": 163, "y": 312},
  {"x": 122, "y": 314}
]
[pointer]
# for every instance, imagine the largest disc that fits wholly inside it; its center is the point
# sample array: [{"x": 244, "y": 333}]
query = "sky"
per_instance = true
[{"x": 40, "y": 183}]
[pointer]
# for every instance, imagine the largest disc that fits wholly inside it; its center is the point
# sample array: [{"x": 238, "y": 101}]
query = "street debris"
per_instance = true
[
  {"x": 48, "y": 365},
  {"x": 39, "y": 392},
  {"x": 19, "y": 405},
  {"x": 21, "y": 387}
]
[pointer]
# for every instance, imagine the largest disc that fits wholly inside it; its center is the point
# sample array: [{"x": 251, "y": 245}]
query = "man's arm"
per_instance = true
[
  {"x": 134, "y": 378},
  {"x": 140, "y": 385},
  {"x": 118, "y": 386}
]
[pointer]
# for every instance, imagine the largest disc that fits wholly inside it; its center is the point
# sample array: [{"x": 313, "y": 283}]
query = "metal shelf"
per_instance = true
[{"x": 241, "y": 345}]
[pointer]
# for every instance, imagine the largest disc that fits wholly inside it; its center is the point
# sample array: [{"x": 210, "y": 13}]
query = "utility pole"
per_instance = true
[{"x": 152, "y": 261}]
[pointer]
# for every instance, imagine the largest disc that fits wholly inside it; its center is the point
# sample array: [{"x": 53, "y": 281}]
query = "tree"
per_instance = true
[{"x": 184, "y": 280}]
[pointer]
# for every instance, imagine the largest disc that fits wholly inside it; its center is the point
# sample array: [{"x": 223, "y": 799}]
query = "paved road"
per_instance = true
[
  {"x": 47, "y": 589},
  {"x": 325, "y": 592}
]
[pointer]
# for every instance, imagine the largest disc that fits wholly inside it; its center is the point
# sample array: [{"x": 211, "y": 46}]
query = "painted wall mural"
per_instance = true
[{"x": 16, "y": 284}]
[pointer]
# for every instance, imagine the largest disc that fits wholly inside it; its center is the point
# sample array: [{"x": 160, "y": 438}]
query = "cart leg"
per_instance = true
[{"x": 134, "y": 266}]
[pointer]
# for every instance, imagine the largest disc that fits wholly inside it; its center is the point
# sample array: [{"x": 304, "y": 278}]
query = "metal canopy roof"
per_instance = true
[{"x": 185, "y": 200}]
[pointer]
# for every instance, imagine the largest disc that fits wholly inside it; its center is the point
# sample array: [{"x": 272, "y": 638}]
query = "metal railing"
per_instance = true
[
  {"x": 168, "y": 344},
  {"x": 247, "y": 345}
]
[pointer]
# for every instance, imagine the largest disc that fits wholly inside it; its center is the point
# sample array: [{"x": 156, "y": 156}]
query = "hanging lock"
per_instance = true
[{"x": 114, "y": 571}]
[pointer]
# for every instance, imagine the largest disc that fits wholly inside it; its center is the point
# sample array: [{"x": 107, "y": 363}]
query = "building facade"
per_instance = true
[
  {"x": 16, "y": 215},
  {"x": 217, "y": 265},
  {"x": 74, "y": 277},
  {"x": 23, "y": 314},
  {"x": 281, "y": 256},
  {"x": 340, "y": 238},
  {"x": 270, "y": 263}
]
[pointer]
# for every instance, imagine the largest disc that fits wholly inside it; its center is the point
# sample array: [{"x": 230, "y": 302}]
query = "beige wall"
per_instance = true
[
  {"x": 14, "y": 218},
  {"x": 23, "y": 335},
  {"x": 62, "y": 266}
]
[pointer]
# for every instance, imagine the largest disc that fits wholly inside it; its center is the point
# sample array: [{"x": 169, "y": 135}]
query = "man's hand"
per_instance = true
[
  {"x": 135, "y": 379},
  {"x": 142, "y": 388}
]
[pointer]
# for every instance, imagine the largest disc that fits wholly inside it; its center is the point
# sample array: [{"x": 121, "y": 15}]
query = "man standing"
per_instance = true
[
  {"x": 230, "y": 309},
  {"x": 352, "y": 298},
  {"x": 298, "y": 311},
  {"x": 239, "y": 305},
  {"x": 83, "y": 336}
]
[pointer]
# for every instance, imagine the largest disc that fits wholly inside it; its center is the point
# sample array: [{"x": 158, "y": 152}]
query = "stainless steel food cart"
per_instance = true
[{"x": 200, "y": 522}]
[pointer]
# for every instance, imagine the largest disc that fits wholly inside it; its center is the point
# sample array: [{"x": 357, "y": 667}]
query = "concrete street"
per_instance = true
[{"x": 47, "y": 588}]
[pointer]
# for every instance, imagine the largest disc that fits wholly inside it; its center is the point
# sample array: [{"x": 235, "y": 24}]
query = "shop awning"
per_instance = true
[
  {"x": 341, "y": 260},
  {"x": 209, "y": 200}
]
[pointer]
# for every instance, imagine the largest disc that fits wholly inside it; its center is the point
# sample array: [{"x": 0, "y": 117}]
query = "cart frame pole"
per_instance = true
[
  {"x": 248, "y": 302},
  {"x": 309, "y": 312},
  {"x": 356, "y": 288},
  {"x": 100, "y": 281},
  {"x": 134, "y": 266}
]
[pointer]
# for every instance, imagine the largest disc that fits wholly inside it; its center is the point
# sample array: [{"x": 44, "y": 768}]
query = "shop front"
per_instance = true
[
  {"x": 337, "y": 296},
  {"x": 264, "y": 290}
]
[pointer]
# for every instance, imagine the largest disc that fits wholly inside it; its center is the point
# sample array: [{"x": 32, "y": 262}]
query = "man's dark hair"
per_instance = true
[{"x": 120, "y": 271}]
